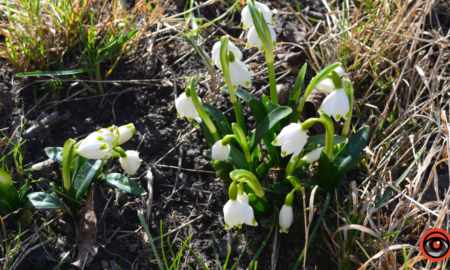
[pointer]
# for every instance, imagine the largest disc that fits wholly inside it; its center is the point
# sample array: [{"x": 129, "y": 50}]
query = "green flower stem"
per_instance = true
[
  {"x": 270, "y": 61},
  {"x": 264, "y": 34},
  {"x": 294, "y": 165},
  {"x": 295, "y": 182},
  {"x": 227, "y": 139},
  {"x": 314, "y": 82},
  {"x": 240, "y": 188},
  {"x": 348, "y": 87},
  {"x": 198, "y": 105},
  {"x": 242, "y": 139},
  {"x": 98, "y": 75},
  {"x": 329, "y": 127},
  {"x": 121, "y": 152},
  {"x": 251, "y": 180},
  {"x": 233, "y": 190},
  {"x": 224, "y": 60},
  {"x": 290, "y": 198}
]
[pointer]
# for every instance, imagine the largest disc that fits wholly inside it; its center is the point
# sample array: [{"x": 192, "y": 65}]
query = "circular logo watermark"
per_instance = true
[{"x": 435, "y": 245}]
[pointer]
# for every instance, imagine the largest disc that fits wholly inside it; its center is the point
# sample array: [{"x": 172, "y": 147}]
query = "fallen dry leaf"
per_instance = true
[
  {"x": 6, "y": 107},
  {"x": 87, "y": 229}
]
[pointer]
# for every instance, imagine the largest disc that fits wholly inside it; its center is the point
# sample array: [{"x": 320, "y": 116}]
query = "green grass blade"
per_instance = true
[
  {"x": 195, "y": 255},
  {"x": 114, "y": 47},
  {"x": 242, "y": 255},
  {"x": 322, "y": 214},
  {"x": 53, "y": 73},
  {"x": 150, "y": 239},
  {"x": 215, "y": 252}
]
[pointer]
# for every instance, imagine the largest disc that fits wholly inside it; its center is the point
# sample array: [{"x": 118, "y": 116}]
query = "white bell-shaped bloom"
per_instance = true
[
  {"x": 286, "y": 218},
  {"x": 246, "y": 16},
  {"x": 237, "y": 213},
  {"x": 185, "y": 107},
  {"x": 239, "y": 74},
  {"x": 220, "y": 152},
  {"x": 215, "y": 53},
  {"x": 336, "y": 104},
  {"x": 292, "y": 139},
  {"x": 131, "y": 163},
  {"x": 110, "y": 135},
  {"x": 126, "y": 132},
  {"x": 94, "y": 146},
  {"x": 314, "y": 155},
  {"x": 327, "y": 86},
  {"x": 253, "y": 39},
  {"x": 243, "y": 197}
]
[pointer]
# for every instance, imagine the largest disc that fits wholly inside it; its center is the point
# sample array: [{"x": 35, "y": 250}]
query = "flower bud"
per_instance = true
[
  {"x": 131, "y": 163},
  {"x": 126, "y": 132},
  {"x": 286, "y": 218}
]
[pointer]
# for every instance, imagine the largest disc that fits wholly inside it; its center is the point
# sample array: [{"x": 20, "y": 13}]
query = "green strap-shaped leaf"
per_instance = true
[
  {"x": 83, "y": 180},
  {"x": 237, "y": 158},
  {"x": 205, "y": 131},
  {"x": 320, "y": 139},
  {"x": 325, "y": 171},
  {"x": 119, "y": 181},
  {"x": 268, "y": 122},
  {"x": 54, "y": 153},
  {"x": 346, "y": 157},
  {"x": 41, "y": 200},
  {"x": 219, "y": 117},
  {"x": 297, "y": 89},
  {"x": 223, "y": 169},
  {"x": 245, "y": 95}
]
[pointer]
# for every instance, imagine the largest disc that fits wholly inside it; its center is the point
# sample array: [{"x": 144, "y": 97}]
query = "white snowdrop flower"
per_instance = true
[
  {"x": 313, "y": 156},
  {"x": 94, "y": 146},
  {"x": 131, "y": 163},
  {"x": 126, "y": 132},
  {"x": 239, "y": 74},
  {"x": 236, "y": 213},
  {"x": 246, "y": 16},
  {"x": 292, "y": 139},
  {"x": 253, "y": 39},
  {"x": 110, "y": 135},
  {"x": 215, "y": 54},
  {"x": 185, "y": 107},
  {"x": 243, "y": 197},
  {"x": 327, "y": 86},
  {"x": 220, "y": 152},
  {"x": 336, "y": 104},
  {"x": 286, "y": 218}
]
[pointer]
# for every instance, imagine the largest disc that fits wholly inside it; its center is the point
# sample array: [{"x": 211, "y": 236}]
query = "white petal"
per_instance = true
[
  {"x": 326, "y": 86},
  {"x": 286, "y": 218},
  {"x": 340, "y": 71},
  {"x": 243, "y": 197},
  {"x": 253, "y": 39},
  {"x": 230, "y": 213},
  {"x": 246, "y": 214},
  {"x": 240, "y": 73},
  {"x": 131, "y": 163},
  {"x": 246, "y": 16},
  {"x": 126, "y": 132},
  {"x": 220, "y": 152},
  {"x": 286, "y": 133},
  {"x": 314, "y": 155},
  {"x": 94, "y": 147},
  {"x": 336, "y": 104}
]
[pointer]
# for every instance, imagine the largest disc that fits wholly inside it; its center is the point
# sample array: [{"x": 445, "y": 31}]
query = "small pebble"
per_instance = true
[
  {"x": 88, "y": 121},
  {"x": 105, "y": 264}
]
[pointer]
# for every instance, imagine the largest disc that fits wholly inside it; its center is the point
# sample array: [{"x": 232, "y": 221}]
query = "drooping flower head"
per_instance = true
[
  {"x": 220, "y": 152},
  {"x": 246, "y": 16},
  {"x": 130, "y": 164},
  {"x": 336, "y": 105},
  {"x": 286, "y": 218},
  {"x": 185, "y": 107},
  {"x": 215, "y": 53},
  {"x": 254, "y": 39},
  {"x": 292, "y": 139},
  {"x": 237, "y": 211},
  {"x": 327, "y": 86}
]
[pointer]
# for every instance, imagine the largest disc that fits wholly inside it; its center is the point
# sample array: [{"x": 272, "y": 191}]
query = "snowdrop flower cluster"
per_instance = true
[
  {"x": 247, "y": 20},
  {"x": 336, "y": 104},
  {"x": 104, "y": 143}
]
